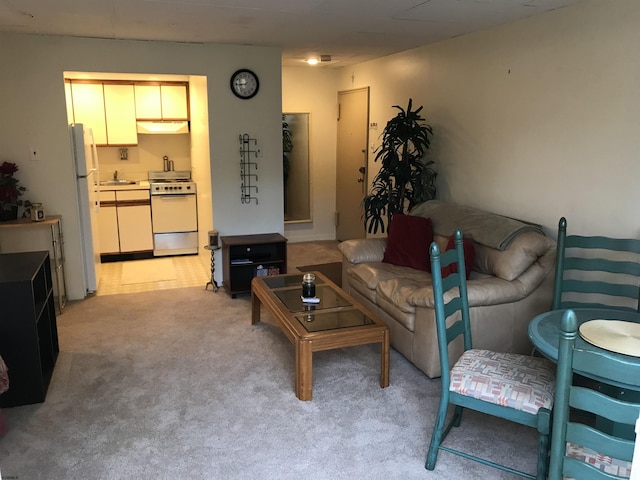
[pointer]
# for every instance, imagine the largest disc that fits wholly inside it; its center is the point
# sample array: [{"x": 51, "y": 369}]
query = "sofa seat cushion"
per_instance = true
[
  {"x": 371, "y": 274},
  {"x": 520, "y": 382},
  {"x": 394, "y": 297}
]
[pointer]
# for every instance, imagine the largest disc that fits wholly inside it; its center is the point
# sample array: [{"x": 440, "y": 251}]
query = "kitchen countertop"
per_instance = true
[{"x": 139, "y": 185}]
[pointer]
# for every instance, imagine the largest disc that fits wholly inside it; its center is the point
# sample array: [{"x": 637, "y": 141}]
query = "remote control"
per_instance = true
[{"x": 310, "y": 300}]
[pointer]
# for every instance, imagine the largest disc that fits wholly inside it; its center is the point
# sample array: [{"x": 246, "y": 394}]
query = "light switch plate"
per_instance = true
[{"x": 33, "y": 153}]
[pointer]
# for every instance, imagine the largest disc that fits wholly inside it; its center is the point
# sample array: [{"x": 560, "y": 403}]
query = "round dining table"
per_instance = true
[
  {"x": 622, "y": 382},
  {"x": 544, "y": 333}
]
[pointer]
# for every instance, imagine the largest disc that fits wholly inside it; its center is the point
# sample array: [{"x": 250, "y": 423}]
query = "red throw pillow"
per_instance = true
[
  {"x": 408, "y": 242},
  {"x": 469, "y": 257}
]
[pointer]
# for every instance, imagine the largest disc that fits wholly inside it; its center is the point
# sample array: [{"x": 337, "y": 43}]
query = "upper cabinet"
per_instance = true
[
  {"x": 162, "y": 101},
  {"x": 88, "y": 109},
  {"x": 111, "y": 108},
  {"x": 120, "y": 113}
]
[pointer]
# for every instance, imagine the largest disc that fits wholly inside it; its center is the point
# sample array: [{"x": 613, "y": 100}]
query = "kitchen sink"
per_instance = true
[{"x": 111, "y": 183}]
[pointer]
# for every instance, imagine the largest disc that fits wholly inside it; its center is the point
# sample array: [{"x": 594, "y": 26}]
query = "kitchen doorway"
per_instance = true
[{"x": 135, "y": 161}]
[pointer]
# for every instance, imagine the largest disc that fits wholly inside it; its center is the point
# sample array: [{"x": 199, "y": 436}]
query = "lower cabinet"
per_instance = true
[
  {"x": 125, "y": 222},
  {"x": 28, "y": 329},
  {"x": 108, "y": 226},
  {"x": 134, "y": 227}
]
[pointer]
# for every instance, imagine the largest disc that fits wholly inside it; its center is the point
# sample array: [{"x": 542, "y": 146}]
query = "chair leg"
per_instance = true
[
  {"x": 436, "y": 439},
  {"x": 438, "y": 432},
  {"x": 543, "y": 454},
  {"x": 457, "y": 416}
]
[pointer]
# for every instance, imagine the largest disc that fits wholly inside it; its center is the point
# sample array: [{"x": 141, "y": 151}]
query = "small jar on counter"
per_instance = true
[
  {"x": 37, "y": 212},
  {"x": 308, "y": 285}
]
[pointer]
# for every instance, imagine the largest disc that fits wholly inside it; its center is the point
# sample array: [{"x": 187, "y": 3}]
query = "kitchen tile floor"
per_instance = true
[{"x": 189, "y": 272}]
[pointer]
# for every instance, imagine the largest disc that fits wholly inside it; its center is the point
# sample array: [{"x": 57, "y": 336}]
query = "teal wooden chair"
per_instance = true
[
  {"x": 514, "y": 387},
  {"x": 578, "y": 449},
  {"x": 596, "y": 272}
]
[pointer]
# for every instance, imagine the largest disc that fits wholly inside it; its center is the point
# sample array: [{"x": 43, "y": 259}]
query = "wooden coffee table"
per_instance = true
[{"x": 337, "y": 321}]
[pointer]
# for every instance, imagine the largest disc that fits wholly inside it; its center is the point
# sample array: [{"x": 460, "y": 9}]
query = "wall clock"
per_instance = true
[{"x": 244, "y": 84}]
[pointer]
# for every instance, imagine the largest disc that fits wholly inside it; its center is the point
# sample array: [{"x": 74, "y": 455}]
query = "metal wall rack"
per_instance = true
[{"x": 249, "y": 153}]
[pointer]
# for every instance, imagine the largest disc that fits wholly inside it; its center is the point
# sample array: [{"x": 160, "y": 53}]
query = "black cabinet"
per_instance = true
[
  {"x": 28, "y": 329},
  {"x": 245, "y": 256}
]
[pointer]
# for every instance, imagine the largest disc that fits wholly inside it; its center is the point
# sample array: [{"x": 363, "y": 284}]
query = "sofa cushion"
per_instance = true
[
  {"x": 469, "y": 257},
  {"x": 363, "y": 250},
  {"x": 371, "y": 274},
  {"x": 408, "y": 242},
  {"x": 511, "y": 263}
]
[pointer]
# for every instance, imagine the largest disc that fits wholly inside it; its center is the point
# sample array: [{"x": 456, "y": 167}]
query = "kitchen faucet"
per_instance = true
[{"x": 115, "y": 175}]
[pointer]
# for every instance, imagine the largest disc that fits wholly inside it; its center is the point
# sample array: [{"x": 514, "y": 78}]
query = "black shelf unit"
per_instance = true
[
  {"x": 28, "y": 329},
  {"x": 242, "y": 255}
]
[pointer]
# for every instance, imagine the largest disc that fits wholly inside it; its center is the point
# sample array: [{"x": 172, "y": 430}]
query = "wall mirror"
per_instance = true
[{"x": 295, "y": 158}]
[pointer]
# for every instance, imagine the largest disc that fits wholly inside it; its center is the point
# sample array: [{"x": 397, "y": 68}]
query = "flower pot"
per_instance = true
[{"x": 9, "y": 214}]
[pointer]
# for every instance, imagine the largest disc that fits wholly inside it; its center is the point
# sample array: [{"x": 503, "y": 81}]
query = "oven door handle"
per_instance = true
[{"x": 173, "y": 195}]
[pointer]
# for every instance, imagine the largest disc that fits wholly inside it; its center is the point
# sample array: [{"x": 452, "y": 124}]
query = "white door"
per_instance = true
[{"x": 351, "y": 168}]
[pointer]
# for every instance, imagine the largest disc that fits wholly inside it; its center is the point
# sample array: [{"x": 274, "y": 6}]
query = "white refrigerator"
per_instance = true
[{"x": 85, "y": 156}]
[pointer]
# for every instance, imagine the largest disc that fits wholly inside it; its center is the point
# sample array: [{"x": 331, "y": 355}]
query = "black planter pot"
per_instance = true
[{"x": 7, "y": 215}]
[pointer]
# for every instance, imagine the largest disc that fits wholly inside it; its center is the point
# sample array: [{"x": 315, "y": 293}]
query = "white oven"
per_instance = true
[{"x": 174, "y": 216}]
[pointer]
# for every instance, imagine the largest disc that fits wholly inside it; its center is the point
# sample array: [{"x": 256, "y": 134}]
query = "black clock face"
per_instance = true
[{"x": 244, "y": 84}]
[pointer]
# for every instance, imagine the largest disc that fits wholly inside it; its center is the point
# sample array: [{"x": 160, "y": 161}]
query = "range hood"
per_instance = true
[{"x": 163, "y": 127}]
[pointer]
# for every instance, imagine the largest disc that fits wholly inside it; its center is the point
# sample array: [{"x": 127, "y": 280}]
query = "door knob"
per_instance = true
[{"x": 362, "y": 169}]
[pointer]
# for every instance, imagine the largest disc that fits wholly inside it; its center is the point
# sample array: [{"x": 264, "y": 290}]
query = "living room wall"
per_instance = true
[
  {"x": 536, "y": 119},
  {"x": 33, "y": 109}
]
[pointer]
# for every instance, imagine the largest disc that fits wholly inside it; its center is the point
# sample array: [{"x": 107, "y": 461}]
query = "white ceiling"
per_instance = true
[{"x": 351, "y": 31}]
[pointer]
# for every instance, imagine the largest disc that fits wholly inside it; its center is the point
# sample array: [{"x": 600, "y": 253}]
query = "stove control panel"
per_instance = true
[{"x": 169, "y": 188}]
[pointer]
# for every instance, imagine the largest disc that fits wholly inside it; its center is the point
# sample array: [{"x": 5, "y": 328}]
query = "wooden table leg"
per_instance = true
[
  {"x": 384, "y": 360},
  {"x": 304, "y": 369},
  {"x": 255, "y": 308}
]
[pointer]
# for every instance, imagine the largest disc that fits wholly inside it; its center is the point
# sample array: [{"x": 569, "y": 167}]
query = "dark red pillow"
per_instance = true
[
  {"x": 469, "y": 257},
  {"x": 408, "y": 242}
]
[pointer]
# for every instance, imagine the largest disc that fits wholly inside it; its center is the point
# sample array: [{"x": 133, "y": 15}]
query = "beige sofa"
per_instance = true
[{"x": 511, "y": 282}]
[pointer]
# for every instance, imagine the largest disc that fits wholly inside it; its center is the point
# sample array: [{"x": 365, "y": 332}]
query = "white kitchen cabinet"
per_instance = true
[
  {"x": 134, "y": 220},
  {"x": 88, "y": 109},
  {"x": 125, "y": 221},
  {"x": 69, "y": 98},
  {"x": 108, "y": 223},
  {"x": 174, "y": 102},
  {"x": 148, "y": 102},
  {"x": 120, "y": 113},
  {"x": 161, "y": 102}
]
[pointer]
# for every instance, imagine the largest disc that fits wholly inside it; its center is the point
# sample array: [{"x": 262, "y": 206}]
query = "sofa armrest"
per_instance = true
[{"x": 363, "y": 250}]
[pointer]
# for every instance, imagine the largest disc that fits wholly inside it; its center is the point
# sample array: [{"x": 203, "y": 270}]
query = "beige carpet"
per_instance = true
[{"x": 152, "y": 270}]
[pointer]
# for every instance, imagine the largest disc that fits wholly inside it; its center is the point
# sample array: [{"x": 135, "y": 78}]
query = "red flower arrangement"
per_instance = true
[{"x": 9, "y": 188}]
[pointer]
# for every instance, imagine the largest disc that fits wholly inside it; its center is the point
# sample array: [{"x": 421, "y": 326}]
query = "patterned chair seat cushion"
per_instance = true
[
  {"x": 604, "y": 463},
  {"x": 516, "y": 381}
]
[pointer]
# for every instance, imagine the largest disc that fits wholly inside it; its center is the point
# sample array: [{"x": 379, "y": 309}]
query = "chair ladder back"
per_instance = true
[
  {"x": 576, "y": 253},
  {"x": 457, "y": 303}
]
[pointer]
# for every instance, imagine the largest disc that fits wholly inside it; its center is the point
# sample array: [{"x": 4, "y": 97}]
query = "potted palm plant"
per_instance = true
[{"x": 405, "y": 178}]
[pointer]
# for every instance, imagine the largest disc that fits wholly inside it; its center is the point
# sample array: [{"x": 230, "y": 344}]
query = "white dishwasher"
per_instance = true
[{"x": 174, "y": 213}]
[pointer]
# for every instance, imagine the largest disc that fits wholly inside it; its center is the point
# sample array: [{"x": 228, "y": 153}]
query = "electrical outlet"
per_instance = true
[{"x": 33, "y": 154}]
